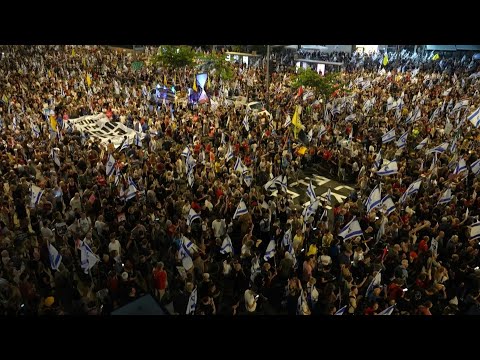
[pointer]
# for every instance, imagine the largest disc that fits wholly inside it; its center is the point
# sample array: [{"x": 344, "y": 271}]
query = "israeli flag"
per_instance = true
[
  {"x": 453, "y": 146},
  {"x": 190, "y": 177},
  {"x": 435, "y": 114},
  {"x": 138, "y": 141},
  {"x": 388, "y": 205},
  {"x": 414, "y": 116},
  {"x": 55, "y": 257},
  {"x": 192, "y": 303},
  {"x": 445, "y": 197},
  {"x": 460, "y": 106},
  {"x": 110, "y": 165},
  {"x": 324, "y": 215},
  {"x": 351, "y": 230},
  {"x": 402, "y": 141},
  {"x": 389, "y": 169},
  {"x": 282, "y": 181},
  {"x": 239, "y": 165},
  {"x": 374, "y": 200},
  {"x": 248, "y": 180},
  {"x": 475, "y": 167},
  {"x": 241, "y": 209},
  {"x": 287, "y": 238},
  {"x": 350, "y": 117},
  {"x": 124, "y": 145},
  {"x": 310, "y": 135},
  {"x": 288, "y": 121},
  {"x": 186, "y": 152},
  {"x": 117, "y": 176},
  {"x": 191, "y": 163},
  {"x": 35, "y": 195},
  {"x": 229, "y": 155},
  {"x": 412, "y": 189},
  {"x": 378, "y": 160},
  {"x": 322, "y": 131},
  {"x": 131, "y": 191},
  {"x": 376, "y": 281},
  {"x": 311, "y": 192},
  {"x": 474, "y": 118},
  {"x": 310, "y": 210},
  {"x": 329, "y": 195},
  {"x": 387, "y": 311},
  {"x": 475, "y": 231},
  {"x": 35, "y": 130},
  {"x": 270, "y": 184},
  {"x": 223, "y": 139},
  {"x": 192, "y": 215},
  {"x": 342, "y": 310},
  {"x": 87, "y": 257},
  {"x": 439, "y": 149},
  {"x": 447, "y": 92},
  {"x": 381, "y": 230},
  {"x": 55, "y": 157},
  {"x": 245, "y": 123},
  {"x": 227, "y": 246},
  {"x": 389, "y": 136},
  {"x": 461, "y": 166},
  {"x": 270, "y": 252}
]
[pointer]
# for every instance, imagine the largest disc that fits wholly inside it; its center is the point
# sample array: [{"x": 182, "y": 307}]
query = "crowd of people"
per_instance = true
[{"x": 205, "y": 233}]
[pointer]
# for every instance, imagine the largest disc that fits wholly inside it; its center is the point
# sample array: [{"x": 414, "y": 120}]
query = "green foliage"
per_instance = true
[
  {"x": 216, "y": 61},
  {"x": 174, "y": 56},
  {"x": 321, "y": 85}
]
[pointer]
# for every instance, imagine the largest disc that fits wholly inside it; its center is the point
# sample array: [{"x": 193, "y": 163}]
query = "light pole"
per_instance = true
[{"x": 268, "y": 77}]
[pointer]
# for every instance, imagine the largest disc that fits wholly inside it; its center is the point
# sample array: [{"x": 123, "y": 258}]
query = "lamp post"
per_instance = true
[{"x": 268, "y": 77}]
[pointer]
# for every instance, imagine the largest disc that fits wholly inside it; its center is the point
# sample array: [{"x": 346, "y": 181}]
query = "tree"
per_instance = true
[
  {"x": 216, "y": 62},
  {"x": 323, "y": 86},
  {"x": 174, "y": 56}
]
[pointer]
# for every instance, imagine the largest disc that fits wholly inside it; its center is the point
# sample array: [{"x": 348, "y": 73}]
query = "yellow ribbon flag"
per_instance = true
[
  {"x": 385, "y": 60},
  {"x": 164, "y": 79},
  {"x": 194, "y": 83},
  {"x": 73, "y": 52},
  {"x": 297, "y": 125},
  {"x": 84, "y": 62},
  {"x": 89, "y": 80},
  {"x": 208, "y": 83},
  {"x": 436, "y": 57},
  {"x": 53, "y": 123}
]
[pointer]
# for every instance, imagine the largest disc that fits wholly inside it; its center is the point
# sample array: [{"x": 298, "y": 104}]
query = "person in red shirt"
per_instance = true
[
  {"x": 160, "y": 280},
  {"x": 372, "y": 310},
  {"x": 423, "y": 245}
]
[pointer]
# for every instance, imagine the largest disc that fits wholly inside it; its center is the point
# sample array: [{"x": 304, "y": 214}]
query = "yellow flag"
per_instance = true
[
  {"x": 84, "y": 62},
  {"x": 164, "y": 79},
  {"x": 89, "y": 81},
  {"x": 436, "y": 57},
  {"x": 53, "y": 122},
  {"x": 297, "y": 124},
  {"x": 194, "y": 83},
  {"x": 385, "y": 60},
  {"x": 208, "y": 83},
  {"x": 73, "y": 52},
  {"x": 49, "y": 74}
]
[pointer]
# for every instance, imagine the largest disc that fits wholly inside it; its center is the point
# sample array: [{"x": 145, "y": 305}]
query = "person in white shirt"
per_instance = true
[
  {"x": 219, "y": 227},
  {"x": 85, "y": 223},
  {"x": 114, "y": 245}
]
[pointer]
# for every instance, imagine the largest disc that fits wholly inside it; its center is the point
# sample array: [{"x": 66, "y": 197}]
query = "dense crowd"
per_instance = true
[{"x": 249, "y": 250}]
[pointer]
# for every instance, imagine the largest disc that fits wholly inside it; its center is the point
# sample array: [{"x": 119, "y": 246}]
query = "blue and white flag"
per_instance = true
[
  {"x": 350, "y": 117},
  {"x": 322, "y": 131},
  {"x": 110, "y": 166},
  {"x": 54, "y": 155},
  {"x": 475, "y": 231},
  {"x": 270, "y": 252},
  {"x": 412, "y": 189},
  {"x": 381, "y": 230},
  {"x": 460, "y": 106},
  {"x": 329, "y": 195},
  {"x": 374, "y": 200},
  {"x": 378, "y": 160},
  {"x": 435, "y": 115},
  {"x": 388, "y": 136},
  {"x": 131, "y": 190},
  {"x": 310, "y": 210},
  {"x": 388, "y": 169},
  {"x": 475, "y": 167},
  {"x": 445, "y": 197},
  {"x": 311, "y": 192},
  {"x": 190, "y": 177},
  {"x": 402, "y": 141},
  {"x": 282, "y": 181},
  {"x": 223, "y": 139},
  {"x": 229, "y": 155},
  {"x": 461, "y": 166},
  {"x": 35, "y": 130},
  {"x": 310, "y": 135},
  {"x": 288, "y": 121},
  {"x": 351, "y": 230},
  {"x": 239, "y": 165},
  {"x": 324, "y": 215},
  {"x": 245, "y": 123},
  {"x": 186, "y": 152},
  {"x": 439, "y": 149},
  {"x": 191, "y": 163},
  {"x": 422, "y": 144},
  {"x": 35, "y": 195},
  {"x": 241, "y": 209},
  {"x": 138, "y": 141},
  {"x": 270, "y": 184},
  {"x": 55, "y": 257},
  {"x": 88, "y": 259},
  {"x": 192, "y": 215},
  {"x": 376, "y": 281},
  {"x": 192, "y": 303},
  {"x": 414, "y": 116},
  {"x": 388, "y": 205},
  {"x": 387, "y": 311},
  {"x": 474, "y": 118},
  {"x": 117, "y": 176},
  {"x": 453, "y": 146},
  {"x": 227, "y": 246},
  {"x": 287, "y": 238},
  {"x": 248, "y": 180},
  {"x": 341, "y": 311}
]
